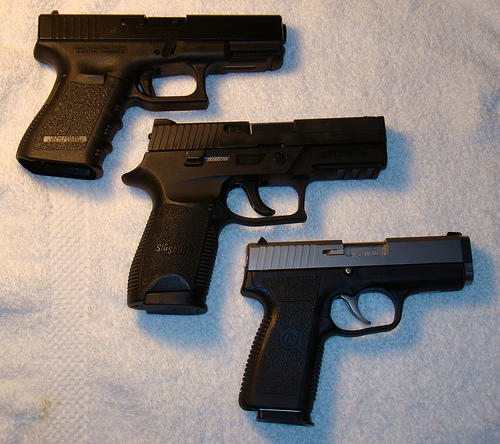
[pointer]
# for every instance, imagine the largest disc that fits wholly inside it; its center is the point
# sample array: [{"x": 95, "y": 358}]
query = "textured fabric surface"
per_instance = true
[{"x": 77, "y": 365}]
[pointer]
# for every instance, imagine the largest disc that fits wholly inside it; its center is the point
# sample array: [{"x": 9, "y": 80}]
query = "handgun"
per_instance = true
[
  {"x": 189, "y": 170},
  {"x": 107, "y": 63},
  {"x": 297, "y": 282}
]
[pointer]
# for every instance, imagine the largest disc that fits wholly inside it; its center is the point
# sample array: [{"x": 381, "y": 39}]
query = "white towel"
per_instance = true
[{"x": 77, "y": 365}]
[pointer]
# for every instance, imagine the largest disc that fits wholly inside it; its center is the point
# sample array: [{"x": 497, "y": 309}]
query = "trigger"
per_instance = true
[
  {"x": 146, "y": 83},
  {"x": 352, "y": 304},
  {"x": 252, "y": 191}
]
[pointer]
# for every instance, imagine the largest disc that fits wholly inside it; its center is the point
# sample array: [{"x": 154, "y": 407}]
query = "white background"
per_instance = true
[{"x": 77, "y": 365}]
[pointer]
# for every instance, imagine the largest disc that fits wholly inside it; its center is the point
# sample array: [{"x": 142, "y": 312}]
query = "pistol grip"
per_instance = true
[
  {"x": 71, "y": 134},
  {"x": 282, "y": 371},
  {"x": 171, "y": 270}
]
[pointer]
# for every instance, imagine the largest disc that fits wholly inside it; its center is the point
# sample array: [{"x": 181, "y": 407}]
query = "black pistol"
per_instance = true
[
  {"x": 189, "y": 170},
  {"x": 107, "y": 63},
  {"x": 297, "y": 282}
]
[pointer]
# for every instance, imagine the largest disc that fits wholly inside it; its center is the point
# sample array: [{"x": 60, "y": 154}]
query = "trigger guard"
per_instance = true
[
  {"x": 297, "y": 217},
  {"x": 397, "y": 298},
  {"x": 198, "y": 99}
]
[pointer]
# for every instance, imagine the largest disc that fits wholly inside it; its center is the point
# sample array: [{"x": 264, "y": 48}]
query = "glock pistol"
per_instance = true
[
  {"x": 107, "y": 63},
  {"x": 297, "y": 282},
  {"x": 189, "y": 170}
]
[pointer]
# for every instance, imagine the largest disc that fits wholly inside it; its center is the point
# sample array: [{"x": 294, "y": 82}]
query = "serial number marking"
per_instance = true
[{"x": 64, "y": 139}]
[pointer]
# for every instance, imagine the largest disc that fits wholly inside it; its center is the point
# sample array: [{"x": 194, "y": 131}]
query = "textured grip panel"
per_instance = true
[
  {"x": 283, "y": 366},
  {"x": 71, "y": 135},
  {"x": 171, "y": 270}
]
